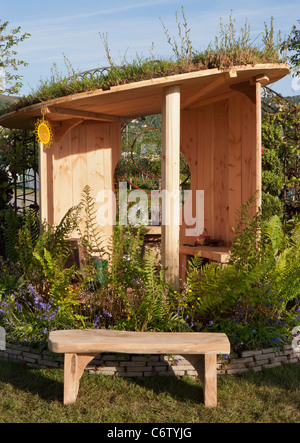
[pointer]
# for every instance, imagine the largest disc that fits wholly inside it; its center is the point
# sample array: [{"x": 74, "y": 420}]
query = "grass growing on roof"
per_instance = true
[{"x": 230, "y": 48}]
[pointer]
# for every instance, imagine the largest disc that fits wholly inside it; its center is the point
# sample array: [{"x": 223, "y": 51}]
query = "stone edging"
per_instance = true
[{"x": 145, "y": 366}]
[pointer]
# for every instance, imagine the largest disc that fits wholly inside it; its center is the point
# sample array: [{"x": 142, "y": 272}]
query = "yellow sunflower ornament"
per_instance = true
[{"x": 43, "y": 131}]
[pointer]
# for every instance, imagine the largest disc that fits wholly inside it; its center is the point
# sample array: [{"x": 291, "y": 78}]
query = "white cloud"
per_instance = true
[{"x": 132, "y": 28}]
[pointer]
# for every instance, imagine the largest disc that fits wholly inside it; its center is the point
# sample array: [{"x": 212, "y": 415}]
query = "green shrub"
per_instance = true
[
  {"x": 153, "y": 305},
  {"x": 255, "y": 298},
  {"x": 28, "y": 319}
]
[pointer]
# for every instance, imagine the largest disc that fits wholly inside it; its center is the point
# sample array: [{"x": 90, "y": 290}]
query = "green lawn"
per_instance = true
[{"x": 35, "y": 396}]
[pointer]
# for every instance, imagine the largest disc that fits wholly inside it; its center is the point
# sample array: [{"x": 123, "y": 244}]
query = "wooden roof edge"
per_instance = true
[{"x": 30, "y": 112}]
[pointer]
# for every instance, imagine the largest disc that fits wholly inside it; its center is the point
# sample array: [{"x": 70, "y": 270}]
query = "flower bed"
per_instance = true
[{"x": 254, "y": 299}]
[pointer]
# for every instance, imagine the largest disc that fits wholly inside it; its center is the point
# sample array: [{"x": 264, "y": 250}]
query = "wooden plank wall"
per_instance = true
[
  {"x": 219, "y": 142},
  {"x": 86, "y": 155}
]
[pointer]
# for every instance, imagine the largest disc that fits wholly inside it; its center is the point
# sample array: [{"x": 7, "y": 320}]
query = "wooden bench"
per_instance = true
[
  {"x": 219, "y": 254},
  {"x": 81, "y": 346}
]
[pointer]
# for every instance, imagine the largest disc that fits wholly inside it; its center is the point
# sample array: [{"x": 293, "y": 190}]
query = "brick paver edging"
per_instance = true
[{"x": 150, "y": 365}]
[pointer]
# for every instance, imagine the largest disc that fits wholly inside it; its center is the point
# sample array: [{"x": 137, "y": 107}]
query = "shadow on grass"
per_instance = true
[
  {"x": 24, "y": 378},
  {"x": 48, "y": 385},
  {"x": 182, "y": 390}
]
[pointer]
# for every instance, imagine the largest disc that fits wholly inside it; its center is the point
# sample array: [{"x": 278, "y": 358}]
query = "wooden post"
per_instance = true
[
  {"x": 171, "y": 183},
  {"x": 206, "y": 367},
  {"x": 73, "y": 369},
  {"x": 43, "y": 179},
  {"x": 210, "y": 380},
  {"x": 258, "y": 144}
]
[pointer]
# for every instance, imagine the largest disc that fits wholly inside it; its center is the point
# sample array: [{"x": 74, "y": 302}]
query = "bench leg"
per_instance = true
[
  {"x": 73, "y": 370},
  {"x": 206, "y": 367}
]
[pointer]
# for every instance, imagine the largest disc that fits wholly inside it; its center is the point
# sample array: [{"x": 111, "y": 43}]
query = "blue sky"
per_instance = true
[{"x": 133, "y": 27}]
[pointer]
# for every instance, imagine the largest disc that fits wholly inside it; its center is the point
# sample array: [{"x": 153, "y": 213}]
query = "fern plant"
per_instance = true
[
  {"x": 27, "y": 238},
  {"x": 154, "y": 305},
  {"x": 255, "y": 298},
  {"x": 91, "y": 235},
  {"x": 43, "y": 254},
  {"x": 246, "y": 246}
]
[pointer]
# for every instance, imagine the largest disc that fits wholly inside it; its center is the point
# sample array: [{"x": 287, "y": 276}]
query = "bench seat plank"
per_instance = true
[
  {"x": 102, "y": 340},
  {"x": 80, "y": 346}
]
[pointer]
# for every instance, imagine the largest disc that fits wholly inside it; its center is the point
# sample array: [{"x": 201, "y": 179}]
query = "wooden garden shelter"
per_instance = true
[{"x": 212, "y": 116}]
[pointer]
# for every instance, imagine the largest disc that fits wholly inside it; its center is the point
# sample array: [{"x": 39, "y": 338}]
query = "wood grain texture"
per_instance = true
[
  {"x": 222, "y": 144},
  {"x": 205, "y": 366},
  {"x": 81, "y": 346},
  {"x": 97, "y": 341},
  {"x": 86, "y": 155},
  {"x": 171, "y": 183},
  {"x": 220, "y": 254},
  {"x": 74, "y": 366}
]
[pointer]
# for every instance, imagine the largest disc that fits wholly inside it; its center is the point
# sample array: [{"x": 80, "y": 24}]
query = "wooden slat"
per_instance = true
[
  {"x": 97, "y": 341},
  {"x": 248, "y": 131},
  {"x": 221, "y": 206},
  {"x": 189, "y": 148},
  {"x": 62, "y": 183},
  {"x": 234, "y": 160},
  {"x": 220, "y": 254},
  {"x": 206, "y": 165}
]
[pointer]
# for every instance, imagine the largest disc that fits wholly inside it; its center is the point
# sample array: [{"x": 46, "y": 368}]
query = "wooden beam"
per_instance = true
[
  {"x": 63, "y": 127},
  {"x": 202, "y": 92},
  {"x": 171, "y": 183},
  {"x": 215, "y": 99},
  {"x": 85, "y": 115},
  {"x": 246, "y": 89},
  {"x": 262, "y": 79}
]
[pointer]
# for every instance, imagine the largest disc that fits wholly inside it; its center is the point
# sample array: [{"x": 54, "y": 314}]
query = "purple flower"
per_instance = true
[
  {"x": 275, "y": 339},
  {"x": 107, "y": 313},
  {"x": 31, "y": 289}
]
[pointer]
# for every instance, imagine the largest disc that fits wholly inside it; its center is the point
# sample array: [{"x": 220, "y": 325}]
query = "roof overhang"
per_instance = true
[{"x": 127, "y": 101}]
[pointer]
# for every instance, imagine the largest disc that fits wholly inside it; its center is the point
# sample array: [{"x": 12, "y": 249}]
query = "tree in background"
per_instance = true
[
  {"x": 293, "y": 44},
  {"x": 272, "y": 165},
  {"x": 10, "y": 81}
]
